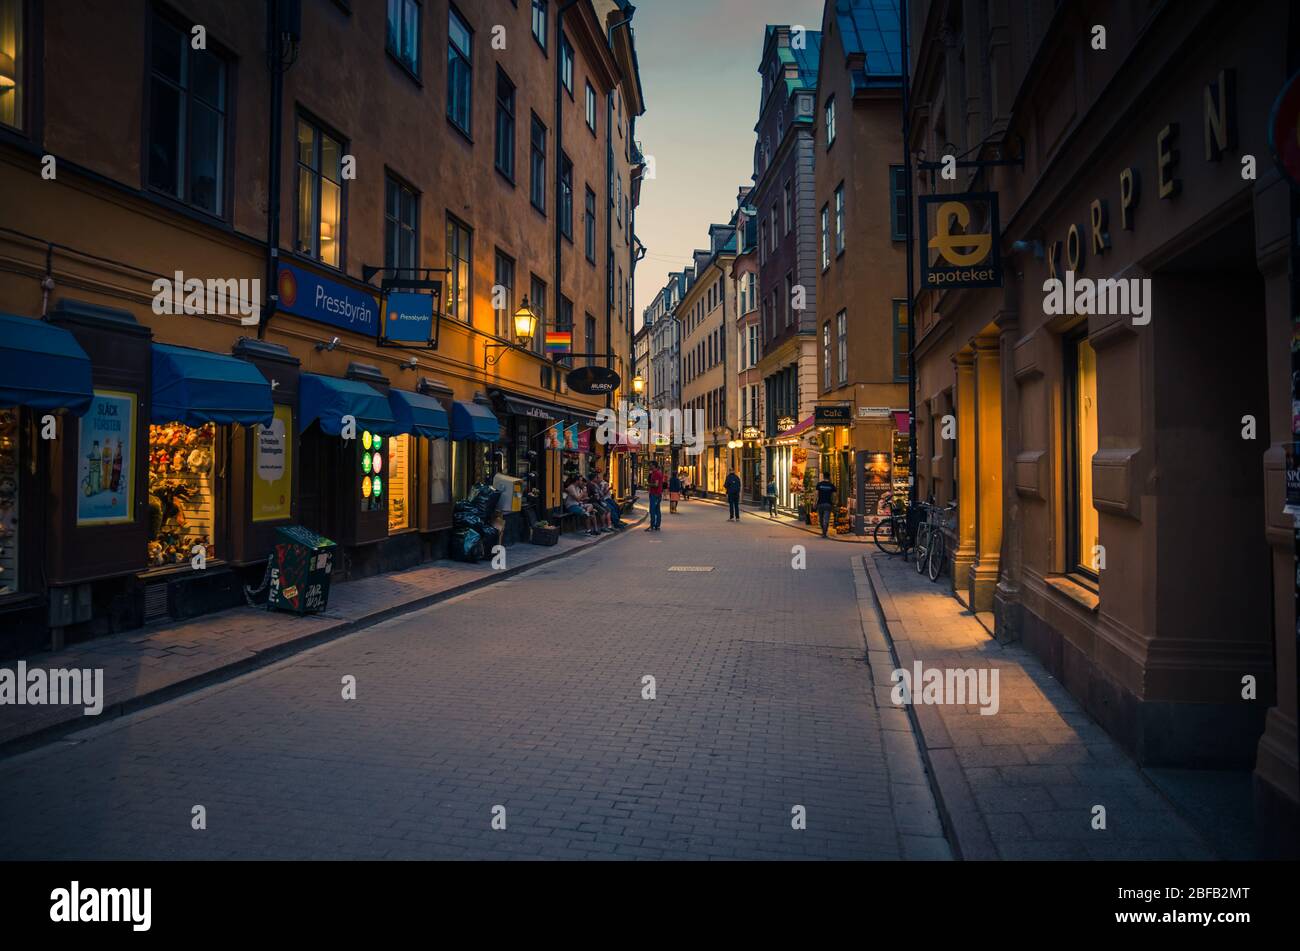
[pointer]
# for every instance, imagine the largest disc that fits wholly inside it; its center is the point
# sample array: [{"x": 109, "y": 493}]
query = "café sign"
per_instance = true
[{"x": 841, "y": 415}]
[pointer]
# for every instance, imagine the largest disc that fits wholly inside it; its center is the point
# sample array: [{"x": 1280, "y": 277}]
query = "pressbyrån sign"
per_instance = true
[
  {"x": 408, "y": 317},
  {"x": 960, "y": 240},
  {"x": 317, "y": 298}
]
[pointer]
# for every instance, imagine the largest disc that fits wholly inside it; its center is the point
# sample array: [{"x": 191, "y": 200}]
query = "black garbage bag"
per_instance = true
[
  {"x": 491, "y": 537},
  {"x": 466, "y": 545},
  {"x": 484, "y": 498}
]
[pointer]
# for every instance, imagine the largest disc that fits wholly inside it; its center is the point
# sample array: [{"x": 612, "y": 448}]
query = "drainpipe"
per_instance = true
[
  {"x": 559, "y": 153},
  {"x": 283, "y": 20},
  {"x": 911, "y": 287}
]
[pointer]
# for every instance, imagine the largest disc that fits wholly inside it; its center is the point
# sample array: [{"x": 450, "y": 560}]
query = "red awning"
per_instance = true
[
  {"x": 799, "y": 430},
  {"x": 900, "y": 420}
]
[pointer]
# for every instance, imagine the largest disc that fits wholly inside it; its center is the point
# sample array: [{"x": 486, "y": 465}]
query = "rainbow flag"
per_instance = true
[{"x": 559, "y": 341}]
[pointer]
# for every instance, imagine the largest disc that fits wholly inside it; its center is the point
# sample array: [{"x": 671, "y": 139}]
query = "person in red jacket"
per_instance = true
[{"x": 655, "y": 489}]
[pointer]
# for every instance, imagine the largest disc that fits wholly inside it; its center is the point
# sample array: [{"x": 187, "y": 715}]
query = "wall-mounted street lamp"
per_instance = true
[
  {"x": 525, "y": 330},
  {"x": 638, "y": 384}
]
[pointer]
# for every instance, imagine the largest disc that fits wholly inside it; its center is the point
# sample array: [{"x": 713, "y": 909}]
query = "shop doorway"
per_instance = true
[{"x": 1211, "y": 416}]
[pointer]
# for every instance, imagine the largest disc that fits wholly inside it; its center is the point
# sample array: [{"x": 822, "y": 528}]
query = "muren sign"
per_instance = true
[{"x": 593, "y": 380}]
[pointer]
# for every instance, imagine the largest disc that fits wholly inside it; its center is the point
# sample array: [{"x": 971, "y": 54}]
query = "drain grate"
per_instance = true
[{"x": 691, "y": 568}]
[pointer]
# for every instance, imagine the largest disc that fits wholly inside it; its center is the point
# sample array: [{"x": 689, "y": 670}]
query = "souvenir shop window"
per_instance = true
[
  {"x": 374, "y": 456},
  {"x": 181, "y": 497},
  {"x": 9, "y": 451}
]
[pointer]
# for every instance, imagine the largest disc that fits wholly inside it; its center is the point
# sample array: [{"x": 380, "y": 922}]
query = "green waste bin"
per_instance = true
[{"x": 301, "y": 566}]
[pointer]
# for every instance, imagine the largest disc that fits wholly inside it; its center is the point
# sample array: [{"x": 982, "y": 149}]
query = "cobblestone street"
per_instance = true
[{"x": 527, "y": 694}]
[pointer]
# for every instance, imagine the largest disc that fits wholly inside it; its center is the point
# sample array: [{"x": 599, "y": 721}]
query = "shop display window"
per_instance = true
[
  {"x": 471, "y": 464},
  {"x": 10, "y": 444},
  {"x": 399, "y": 483},
  {"x": 181, "y": 497}
]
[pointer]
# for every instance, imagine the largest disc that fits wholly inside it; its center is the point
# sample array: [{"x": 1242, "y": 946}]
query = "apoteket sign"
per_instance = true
[{"x": 593, "y": 380}]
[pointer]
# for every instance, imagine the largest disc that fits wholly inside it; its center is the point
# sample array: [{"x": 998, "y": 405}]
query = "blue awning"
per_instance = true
[
  {"x": 42, "y": 366},
  {"x": 196, "y": 387},
  {"x": 474, "y": 421},
  {"x": 328, "y": 399},
  {"x": 418, "y": 414}
]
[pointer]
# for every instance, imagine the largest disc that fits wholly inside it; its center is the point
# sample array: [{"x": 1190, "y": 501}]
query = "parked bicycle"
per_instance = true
[
  {"x": 892, "y": 534},
  {"x": 932, "y": 539}
]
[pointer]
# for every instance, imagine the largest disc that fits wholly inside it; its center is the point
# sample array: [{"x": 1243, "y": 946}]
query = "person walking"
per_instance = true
[
  {"x": 655, "y": 490},
  {"x": 771, "y": 499},
  {"x": 674, "y": 493},
  {"x": 825, "y": 503},
  {"x": 732, "y": 485}
]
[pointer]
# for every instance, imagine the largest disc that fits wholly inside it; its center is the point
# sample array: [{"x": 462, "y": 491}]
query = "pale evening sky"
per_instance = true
[{"x": 699, "y": 71}]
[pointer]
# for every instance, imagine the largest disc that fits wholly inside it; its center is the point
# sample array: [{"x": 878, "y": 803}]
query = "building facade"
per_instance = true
[
  {"x": 117, "y": 173},
  {"x": 861, "y": 261},
  {"x": 783, "y": 196},
  {"x": 1084, "y": 445},
  {"x": 749, "y": 349},
  {"x": 706, "y": 313}
]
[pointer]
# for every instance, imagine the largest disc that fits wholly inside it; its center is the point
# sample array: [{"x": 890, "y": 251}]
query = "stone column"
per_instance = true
[
  {"x": 964, "y": 408},
  {"x": 983, "y": 576},
  {"x": 1006, "y": 598}
]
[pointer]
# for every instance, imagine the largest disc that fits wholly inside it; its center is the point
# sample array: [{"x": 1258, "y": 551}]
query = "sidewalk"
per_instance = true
[
  {"x": 748, "y": 508},
  {"x": 1021, "y": 783},
  {"x": 153, "y": 664}
]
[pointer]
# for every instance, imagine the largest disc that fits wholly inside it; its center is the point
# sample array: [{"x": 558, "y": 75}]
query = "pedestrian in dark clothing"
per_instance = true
[
  {"x": 732, "y": 485},
  {"x": 825, "y": 503},
  {"x": 771, "y": 499},
  {"x": 674, "y": 492}
]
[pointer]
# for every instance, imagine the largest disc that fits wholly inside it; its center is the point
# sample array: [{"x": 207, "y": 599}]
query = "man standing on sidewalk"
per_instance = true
[
  {"x": 825, "y": 503},
  {"x": 655, "y": 490},
  {"x": 732, "y": 485}
]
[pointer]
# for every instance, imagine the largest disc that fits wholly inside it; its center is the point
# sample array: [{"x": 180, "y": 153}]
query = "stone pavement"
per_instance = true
[
  {"x": 1021, "y": 783},
  {"x": 158, "y": 662},
  {"x": 756, "y": 510},
  {"x": 530, "y": 695}
]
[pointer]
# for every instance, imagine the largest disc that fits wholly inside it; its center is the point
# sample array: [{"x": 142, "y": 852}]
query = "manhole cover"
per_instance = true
[{"x": 691, "y": 568}]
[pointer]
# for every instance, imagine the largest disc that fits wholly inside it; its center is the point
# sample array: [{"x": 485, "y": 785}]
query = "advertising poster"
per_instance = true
[
  {"x": 273, "y": 467},
  {"x": 105, "y": 460},
  {"x": 798, "y": 466},
  {"x": 874, "y": 487}
]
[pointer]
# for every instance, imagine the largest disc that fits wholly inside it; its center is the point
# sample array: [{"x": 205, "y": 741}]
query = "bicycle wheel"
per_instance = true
[
  {"x": 922, "y": 547},
  {"x": 934, "y": 565},
  {"x": 885, "y": 537}
]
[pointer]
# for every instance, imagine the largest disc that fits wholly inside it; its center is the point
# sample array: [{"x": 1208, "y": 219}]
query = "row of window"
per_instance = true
[
  {"x": 713, "y": 405},
  {"x": 706, "y": 355}
]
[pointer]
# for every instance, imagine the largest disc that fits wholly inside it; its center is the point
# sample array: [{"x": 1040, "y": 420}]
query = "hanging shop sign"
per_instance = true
[
  {"x": 751, "y": 432},
  {"x": 105, "y": 450},
  {"x": 786, "y": 422},
  {"x": 960, "y": 240},
  {"x": 408, "y": 318},
  {"x": 593, "y": 380},
  {"x": 317, "y": 298},
  {"x": 833, "y": 415},
  {"x": 273, "y": 472},
  {"x": 1284, "y": 131}
]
